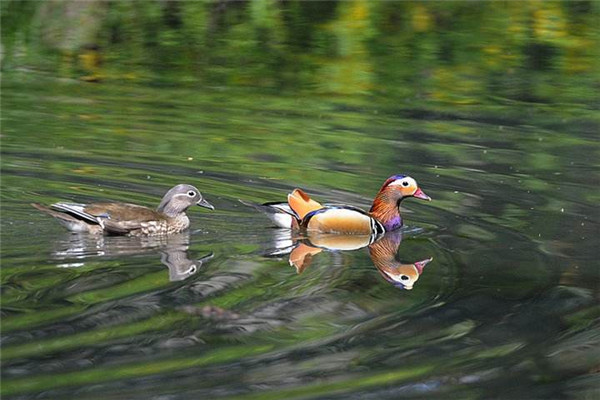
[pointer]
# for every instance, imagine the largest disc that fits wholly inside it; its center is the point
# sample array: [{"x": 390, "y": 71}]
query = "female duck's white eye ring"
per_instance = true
[{"x": 191, "y": 193}]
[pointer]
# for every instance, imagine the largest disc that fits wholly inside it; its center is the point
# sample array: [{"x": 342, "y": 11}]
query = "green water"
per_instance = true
[{"x": 492, "y": 108}]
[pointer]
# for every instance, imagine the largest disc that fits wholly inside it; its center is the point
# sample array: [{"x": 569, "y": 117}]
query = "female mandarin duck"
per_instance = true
[
  {"x": 130, "y": 219},
  {"x": 301, "y": 212}
]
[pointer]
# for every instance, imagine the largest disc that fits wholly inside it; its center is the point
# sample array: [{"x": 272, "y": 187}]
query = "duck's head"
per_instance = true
[
  {"x": 386, "y": 204},
  {"x": 404, "y": 276},
  {"x": 398, "y": 187},
  {"x": 180, "y": 198}
]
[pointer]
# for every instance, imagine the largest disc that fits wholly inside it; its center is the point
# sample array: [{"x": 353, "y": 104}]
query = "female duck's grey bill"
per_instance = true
[{"x": 205, "y": 204}]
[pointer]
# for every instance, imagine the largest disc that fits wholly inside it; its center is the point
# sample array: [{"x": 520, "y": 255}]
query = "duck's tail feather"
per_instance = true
[
  {"x": 71, "y": 222},
  {"x": 280, "y": 213},
  {"x": 56, "y": 214}
]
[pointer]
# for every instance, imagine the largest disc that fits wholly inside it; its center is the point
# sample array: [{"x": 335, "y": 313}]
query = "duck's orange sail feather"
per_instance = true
[{"x": 301, "y": 203}]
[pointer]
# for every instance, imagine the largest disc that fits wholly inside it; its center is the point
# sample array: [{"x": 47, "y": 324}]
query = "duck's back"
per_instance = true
[{"x": 123, "y": 212}]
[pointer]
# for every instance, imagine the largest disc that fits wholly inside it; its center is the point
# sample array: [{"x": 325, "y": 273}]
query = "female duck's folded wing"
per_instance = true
[
  {"x": 76, "y": 210},
  {"x": 346, "y": 220},
  {"x": 123, "y": 212},
  {"x": 301, "y": 203},
  {"x": 122, "y": 218}
]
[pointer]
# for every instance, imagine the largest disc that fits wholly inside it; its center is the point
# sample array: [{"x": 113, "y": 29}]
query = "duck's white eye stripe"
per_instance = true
[
  {"x": 191, "y": 193},
  {"x": 406, "y": 182}
]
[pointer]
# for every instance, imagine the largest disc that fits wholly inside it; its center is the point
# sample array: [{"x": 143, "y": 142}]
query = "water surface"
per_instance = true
[{"x": 506, "y": 308}]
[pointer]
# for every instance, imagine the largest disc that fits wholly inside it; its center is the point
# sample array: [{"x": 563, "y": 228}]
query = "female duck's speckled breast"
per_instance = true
[{"x": 163, "y": 227}]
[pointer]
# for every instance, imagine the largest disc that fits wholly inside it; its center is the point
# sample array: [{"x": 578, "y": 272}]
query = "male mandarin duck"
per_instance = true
[
  {"x": 130, "y": 219},
  {"x": 303, "y": 213}
]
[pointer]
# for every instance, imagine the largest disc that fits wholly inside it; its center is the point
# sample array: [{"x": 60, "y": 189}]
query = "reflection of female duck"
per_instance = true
[
  {"x": 173, "y": 250},
  {"x": 302, "y": 213},
  {"x": 383, "y": 255}
]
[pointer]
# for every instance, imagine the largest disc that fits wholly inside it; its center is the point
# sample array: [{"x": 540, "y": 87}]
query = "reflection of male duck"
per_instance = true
[
  {"x": 382, "y": 250},
  {"x": 383, "y": 255},
  {"x": 311, "y": 245},
  {"x": 172, "y": 248}
]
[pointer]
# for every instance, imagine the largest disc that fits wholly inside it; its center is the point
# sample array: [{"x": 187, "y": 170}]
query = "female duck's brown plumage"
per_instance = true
[
  {"x": 301, "y": 212},
  {"x": 130, "y": 219}
]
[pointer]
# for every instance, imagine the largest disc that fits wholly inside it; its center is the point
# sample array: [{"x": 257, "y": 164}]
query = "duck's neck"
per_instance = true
[
  {"x": 386, "y": 209},
  {"x": 170, "y": 210}
]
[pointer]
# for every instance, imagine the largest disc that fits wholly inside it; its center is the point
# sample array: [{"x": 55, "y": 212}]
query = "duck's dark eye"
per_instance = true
[
  {"x": 405, "y": 183},
  {"x": 404, "y": 277},
  {"x": 191, "y": 193}
]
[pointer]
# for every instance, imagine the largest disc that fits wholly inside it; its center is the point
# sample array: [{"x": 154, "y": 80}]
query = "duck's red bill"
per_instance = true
[
  {"x": 421, "y": 264},
  {"x": 419, "y": 194}
]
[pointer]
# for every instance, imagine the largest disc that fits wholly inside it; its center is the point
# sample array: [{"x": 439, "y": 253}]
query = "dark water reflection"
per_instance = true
[{"x": 491, "y": 107}]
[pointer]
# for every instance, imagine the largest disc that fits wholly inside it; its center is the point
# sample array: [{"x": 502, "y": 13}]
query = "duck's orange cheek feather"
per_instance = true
[
  {"x": 340, "y": 221},
  {"x": 408, "y": 190}
]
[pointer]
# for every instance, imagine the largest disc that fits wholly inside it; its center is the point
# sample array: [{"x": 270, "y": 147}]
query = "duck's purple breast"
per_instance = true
[{"x": 393, "y": 223}]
